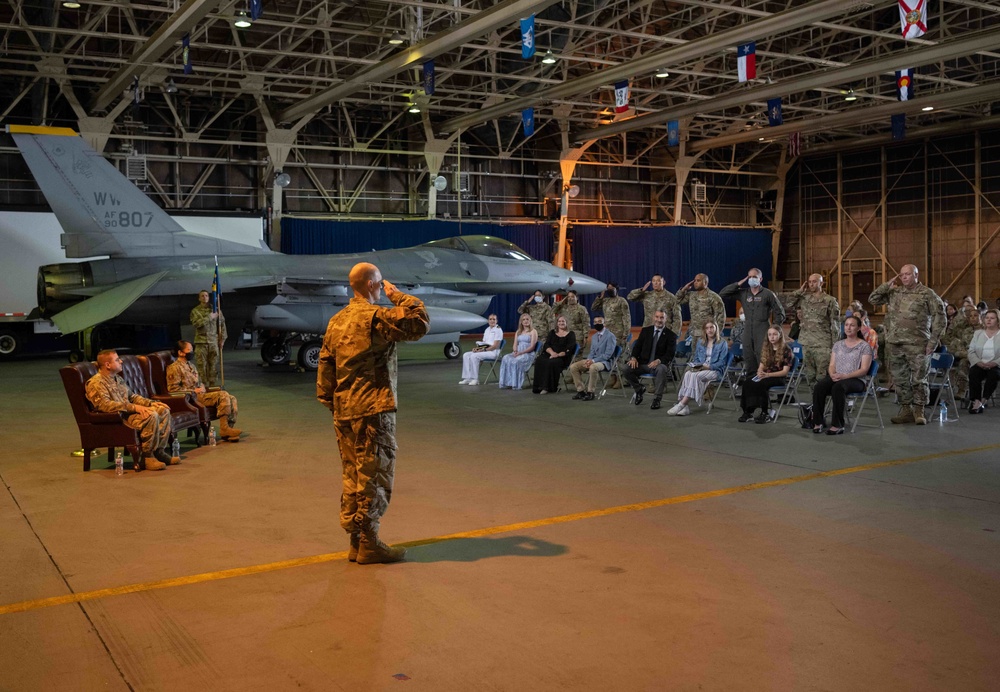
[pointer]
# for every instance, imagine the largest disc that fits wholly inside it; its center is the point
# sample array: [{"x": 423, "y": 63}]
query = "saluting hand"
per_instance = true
[
  {"x": 743, "y": 280},
  {"x": 648, "y": 284},
  {"x": 688, "y": 285},
  {"x": 389, "y": 288}
]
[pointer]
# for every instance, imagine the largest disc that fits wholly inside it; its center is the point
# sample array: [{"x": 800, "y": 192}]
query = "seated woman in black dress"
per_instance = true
[
  {"x": 554, "y": 358},
  {"x": 849, "y": 362},
  {"x": 775, "y": 362}
]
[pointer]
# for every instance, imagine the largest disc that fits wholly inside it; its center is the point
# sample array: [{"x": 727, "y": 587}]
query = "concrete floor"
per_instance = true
[{"x": 883, "y": 578}]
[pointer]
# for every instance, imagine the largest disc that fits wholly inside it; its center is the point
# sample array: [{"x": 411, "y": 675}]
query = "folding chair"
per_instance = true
[
  {"x": 939, "y": 382},
  {"x": 871, "y": 386},
  {"x": 787, "y": 392},
  {"x": 616, "y": 371},
  {"x": 493, "y": 363},
  {"x": 529, "y": 374},
  {"x": 717, "y": 384},
  {"x": 565, "y": 372},
  {"x": 734, "y": 371},
  {"x": 682, "y": 354}
]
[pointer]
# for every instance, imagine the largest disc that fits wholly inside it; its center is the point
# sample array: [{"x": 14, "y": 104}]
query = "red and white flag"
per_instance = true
[
  {"x": 621, "y": 96},
  {"x": 795, "y": 144},
  {"x": 913, "y": 17},
  {"x": 746, "y": 61}
]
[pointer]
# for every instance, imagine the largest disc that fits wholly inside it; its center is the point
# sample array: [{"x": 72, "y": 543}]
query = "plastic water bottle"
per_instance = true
[
  {"x": 212, "y": 440},
  {"x": 119, "y": 464},
  {"x": 175, "y": 449},
  {"x": 942, "y": 412}
]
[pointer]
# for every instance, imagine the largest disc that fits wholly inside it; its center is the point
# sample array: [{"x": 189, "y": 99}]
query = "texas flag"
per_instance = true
[
  {"x": 621, "y": 96},
  {"x": 746, "y": 61},
  {"x": 904, "y": 84},
  {"x": 913, "y": 17}
]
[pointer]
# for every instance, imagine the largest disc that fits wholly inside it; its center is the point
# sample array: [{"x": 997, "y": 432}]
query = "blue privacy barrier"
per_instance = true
[
  {"x": 317, "y": 237},
  {"x": 629, "y": 256}
]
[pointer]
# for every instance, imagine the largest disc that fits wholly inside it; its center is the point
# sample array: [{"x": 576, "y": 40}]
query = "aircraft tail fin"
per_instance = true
[{"x": 100, "y": 210}]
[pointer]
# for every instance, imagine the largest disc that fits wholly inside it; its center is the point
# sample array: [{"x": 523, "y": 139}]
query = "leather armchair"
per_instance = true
[{"x": 97, "y": 429}]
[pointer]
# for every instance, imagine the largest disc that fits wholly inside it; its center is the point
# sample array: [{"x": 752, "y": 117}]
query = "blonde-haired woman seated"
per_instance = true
[
  {"x": 708, "y": 365},
  {"x": 514, "y": 365}
]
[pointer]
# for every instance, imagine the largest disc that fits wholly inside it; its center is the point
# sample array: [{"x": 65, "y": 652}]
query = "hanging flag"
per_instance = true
[
  {"x": 528, "y": 121},
  {"x": 898, "y": 127},
  {"x": 673, "y": 133},
  {"x": 429, "y": 77},
  {"x": 904, "y": 84},
  {"x": 795, "y": 144},
  {"x": 186, "y": 42},
  {"x": 256, "y": 9},
  {"x": 135, "y": 91},
  {"x": 528, "y": 37},
  {"x": 216, "y": 302},
  {"x": 746, "y": 61},
  {"x": 913, "y": 17},
  {"x": 774, "y": 112},
  {"x": 621, "y": 96}
]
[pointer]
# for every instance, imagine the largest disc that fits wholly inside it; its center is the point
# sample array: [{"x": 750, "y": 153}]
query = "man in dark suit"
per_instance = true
[{"x": 651, "y": 354}]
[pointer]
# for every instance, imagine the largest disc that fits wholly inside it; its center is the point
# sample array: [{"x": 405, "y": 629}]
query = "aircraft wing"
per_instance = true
[{"x": 104, "y": 306}]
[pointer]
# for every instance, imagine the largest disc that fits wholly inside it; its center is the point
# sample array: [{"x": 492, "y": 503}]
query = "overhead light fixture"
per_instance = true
[
  {"x": 396, "y": 39},
  {"x": 760, "y": 139},
  {"x": 242, "y": 20},
  {"x": 71, "y": 5},
  {"x": 414, "y": 108},
  {"x": 927, "y": 109},
  {"x": 662, "y": 74},
  {"x": 282, "y": 179},
  {"x": 171, "y": 87},
  {"x": 549, "y": 58},
  {"x": 850, "y": 95}
]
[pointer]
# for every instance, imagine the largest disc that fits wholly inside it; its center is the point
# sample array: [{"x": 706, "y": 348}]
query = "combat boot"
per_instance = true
[
  {"x": 918, "y": 414},
  {"x": 162, "y": 456},
  {"x": 151, "y": 464},
  {"x": 905, "y": 415},
  {"x": 229, "y": 434},
  {"x": 372, "y": 550},
  {"x": 352, "y": 554}
]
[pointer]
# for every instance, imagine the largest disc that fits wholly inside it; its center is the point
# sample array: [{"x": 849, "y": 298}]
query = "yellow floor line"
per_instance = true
[{"x": 506, "y": 528}]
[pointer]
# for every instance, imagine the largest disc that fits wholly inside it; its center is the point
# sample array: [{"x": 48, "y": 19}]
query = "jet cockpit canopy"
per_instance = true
[{"x": 486, "y": 245}]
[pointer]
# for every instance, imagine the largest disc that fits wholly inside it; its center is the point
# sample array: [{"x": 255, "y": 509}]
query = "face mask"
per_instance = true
[
  {"x": 538, "y": 299},
  {"x": 754, "y": 282},
  {"x": 743, "y": 318},
  {"x": 599, "y": 327},
  {"x": 612, "y": 293},
  {"x": 848, "y": 312}
]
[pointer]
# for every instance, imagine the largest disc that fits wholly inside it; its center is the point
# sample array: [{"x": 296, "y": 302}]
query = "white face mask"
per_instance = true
[
  {"x": 743, "y": 317},
  {"x": 538, "y": 299},
  {"x": 754, "y": 282}
]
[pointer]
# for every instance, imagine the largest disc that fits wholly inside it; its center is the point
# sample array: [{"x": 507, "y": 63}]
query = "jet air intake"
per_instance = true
[{"x": 58, "y": 285}]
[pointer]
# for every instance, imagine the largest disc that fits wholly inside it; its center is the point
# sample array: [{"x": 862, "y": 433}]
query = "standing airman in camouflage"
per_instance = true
[
  {"x": 761, "y": 308},
  {"x": 957, "y": 338},
  {"x": 705, "y": 305},
  {"x": 541, "y": 314},
  {"x": 819, "y": 327},
  {"x": 209, "y": 335},
  {"x": 356, "y": 380},
  {"x": 577, "y": 319},
  {"x": 917, "y": 324},
  {"x": 658, "y": 299},
  {"x": 108, "y": 393},
  {"x": 618, "y": 321}
]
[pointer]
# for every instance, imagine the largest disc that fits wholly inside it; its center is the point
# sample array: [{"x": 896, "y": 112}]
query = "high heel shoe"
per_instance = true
[{"x": 835, "y": 432}]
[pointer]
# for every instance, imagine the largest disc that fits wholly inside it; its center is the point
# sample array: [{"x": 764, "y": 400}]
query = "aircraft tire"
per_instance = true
[
  {"x": 75, "y": 356},
  {"x": 8, "y": 344},
  {"x": 308, "y": 357},
  {"x": 452, "y": 350},
  {"x": 275, "y": 352}
]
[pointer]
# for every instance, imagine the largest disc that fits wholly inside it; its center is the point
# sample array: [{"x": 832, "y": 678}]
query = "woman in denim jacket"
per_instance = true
[{"x": 708, "y": 365}]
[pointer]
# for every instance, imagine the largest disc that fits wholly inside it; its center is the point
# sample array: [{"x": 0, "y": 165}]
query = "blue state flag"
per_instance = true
[
  {"x": 898, "y": 127},
  {"x": 256, "y": 9},
  {"x": 186, "y": 43},
  {"x": 429, "y": 77},
  {"x": 774, "y": 112},
  {"x": 528, "y": 121},
  {"x": 216, "y": 290},
  {"x": 673, "y": 133},
  {"x": 528, "y": 37}
]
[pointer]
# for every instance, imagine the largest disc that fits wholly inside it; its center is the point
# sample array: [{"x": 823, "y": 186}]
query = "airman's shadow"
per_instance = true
[{"x": 472, "y": 549}]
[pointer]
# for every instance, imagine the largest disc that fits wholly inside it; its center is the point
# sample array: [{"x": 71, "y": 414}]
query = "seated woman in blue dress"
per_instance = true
[
  {"x": 514, "y": 365},
  {"x": 560, "y": 346}
]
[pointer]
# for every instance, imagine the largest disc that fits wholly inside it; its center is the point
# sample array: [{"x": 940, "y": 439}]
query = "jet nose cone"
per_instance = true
[{"x": 583, "y": 284}]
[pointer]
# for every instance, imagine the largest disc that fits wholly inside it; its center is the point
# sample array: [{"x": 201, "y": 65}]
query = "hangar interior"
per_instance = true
[{"x": 550, "y": 548}]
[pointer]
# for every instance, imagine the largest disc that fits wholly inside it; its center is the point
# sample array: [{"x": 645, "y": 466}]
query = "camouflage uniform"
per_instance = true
[
  {"x": 182, "y": 377},
  {"x": 356, "y": 380},
  {"x": 917, "y": 321},
  {"x": 758, "y": 310},
  {"x": 578, "y": 321},
  {"x": 110, "y": 394},
  {"x": 658, "y": 300},
  {"x": 542, "y": 319},
  {"x": 819, "y": 328},
  {"x": 957, "y": 338},
  {"x": 207, "y": 332},
  {"x": 618, "y": 321},
  {"x": 705, "y": 305}
]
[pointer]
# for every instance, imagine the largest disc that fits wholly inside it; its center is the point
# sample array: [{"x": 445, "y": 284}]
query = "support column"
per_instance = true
[
  {"x": 434, "y": 153},
  {"x": 279, "y": 146}
]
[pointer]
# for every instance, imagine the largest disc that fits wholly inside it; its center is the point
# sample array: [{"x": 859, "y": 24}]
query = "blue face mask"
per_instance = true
[{"x": 754, "y": 282}]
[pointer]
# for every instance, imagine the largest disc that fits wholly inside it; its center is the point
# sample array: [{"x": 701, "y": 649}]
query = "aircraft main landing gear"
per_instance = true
[
  {"x": 309, "y": 356},
  {"x": 275, "y": 351},
  {"x": 452, "y": 350}
]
